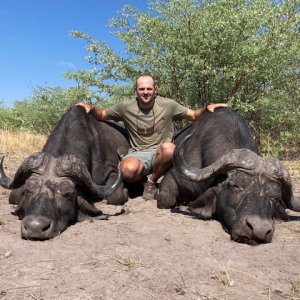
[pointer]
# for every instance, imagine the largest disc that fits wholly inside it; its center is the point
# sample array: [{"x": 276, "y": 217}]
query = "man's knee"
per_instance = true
[
  {"x": 132, "y": 169},
  {"x": 166, "y": 150}
]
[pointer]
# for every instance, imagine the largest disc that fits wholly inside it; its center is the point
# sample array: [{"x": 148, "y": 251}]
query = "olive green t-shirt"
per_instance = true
[{"x": 148, "y": 128}]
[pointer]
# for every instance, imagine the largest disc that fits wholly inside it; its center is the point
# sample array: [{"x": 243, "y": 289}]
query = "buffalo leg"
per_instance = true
[
  {"x": 120, "y": 196},
  {"x": 167, "y": 193}
]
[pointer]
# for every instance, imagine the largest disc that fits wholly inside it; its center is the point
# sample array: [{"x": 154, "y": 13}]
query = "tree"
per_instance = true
[
  {"x": 243, "y": 52},
  {"x": 43, "y": 109},
  {"x": 200, "y": 51}
]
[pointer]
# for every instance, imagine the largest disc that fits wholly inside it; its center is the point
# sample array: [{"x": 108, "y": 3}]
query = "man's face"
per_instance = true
[{"x": 145, "y": 90}]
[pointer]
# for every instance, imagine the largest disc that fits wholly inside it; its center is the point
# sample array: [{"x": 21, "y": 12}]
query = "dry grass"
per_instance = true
[
  {"x": 20, "y": 142},
  {"x": 295, "y": 287},
  {"x": 129, "y": 262},
  {"x": 224, "y": 278},
  {"x": 6, "y": 254},
  {"x": 294, "y": 168},
  {"x": 25, "y": 143}
]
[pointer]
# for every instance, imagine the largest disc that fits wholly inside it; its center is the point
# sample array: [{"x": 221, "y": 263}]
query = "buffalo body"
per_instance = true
[
  {"x": 77, "y": 166},
  {"x": 218, "y": 172}
]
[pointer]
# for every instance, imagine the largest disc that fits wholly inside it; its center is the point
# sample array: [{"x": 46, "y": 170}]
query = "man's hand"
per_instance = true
[
  {"x": 193, "y": 115},
  {"x": 99, "y": 113},
  {"x": 213, "y": 106},
  {"x": 88, "y": 107}
]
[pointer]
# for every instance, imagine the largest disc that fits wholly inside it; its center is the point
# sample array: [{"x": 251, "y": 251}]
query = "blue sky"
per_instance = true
[{"x": 35, "y": 46}]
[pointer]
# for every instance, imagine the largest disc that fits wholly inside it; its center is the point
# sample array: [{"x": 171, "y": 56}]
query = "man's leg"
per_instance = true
[
  {"x": 162, "y": 162},
  {"x": 132, "y": 169},
  {"x": 134, "y": 166}
]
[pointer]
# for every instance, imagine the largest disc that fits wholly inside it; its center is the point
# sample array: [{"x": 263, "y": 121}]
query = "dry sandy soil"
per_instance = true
[{"x": 146, "y": 254}]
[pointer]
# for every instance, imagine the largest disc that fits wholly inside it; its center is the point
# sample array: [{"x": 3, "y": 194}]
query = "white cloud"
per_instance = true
[{"x": 66, "y": 64}]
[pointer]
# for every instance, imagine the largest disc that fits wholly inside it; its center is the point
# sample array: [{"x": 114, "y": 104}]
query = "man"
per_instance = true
[{"x": 149, "y": 120}]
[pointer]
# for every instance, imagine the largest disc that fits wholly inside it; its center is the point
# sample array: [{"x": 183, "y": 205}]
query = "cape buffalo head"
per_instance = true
[
  {"x": 46, "y": 191},
  {"x": 247, "y": 192}
]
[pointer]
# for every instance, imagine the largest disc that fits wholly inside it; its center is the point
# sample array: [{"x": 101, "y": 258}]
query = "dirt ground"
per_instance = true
[{"x": 146, "y": 254}]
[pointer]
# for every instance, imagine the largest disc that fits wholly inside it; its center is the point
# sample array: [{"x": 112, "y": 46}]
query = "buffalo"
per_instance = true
[
  {"x": 218, "y": 172},
  {"x": 78, "y": 165}
]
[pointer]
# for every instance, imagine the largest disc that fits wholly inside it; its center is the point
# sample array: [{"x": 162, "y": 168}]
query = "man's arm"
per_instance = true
[
  {"x": 99, "y": 113},
  {"x": 193, "y": 115}
]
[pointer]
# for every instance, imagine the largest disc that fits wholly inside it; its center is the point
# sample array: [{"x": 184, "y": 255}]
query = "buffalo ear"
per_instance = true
[
  {"x": 205, "y": 205},
  {"x": 279, "y": 211},
  {"x": 295, "y": 203},
  {"x": 15, "y": 196},
  {"x": 86, "y": 210},
  {"x": 19, "y": 211},
  {"x": 15, "y": 199}
]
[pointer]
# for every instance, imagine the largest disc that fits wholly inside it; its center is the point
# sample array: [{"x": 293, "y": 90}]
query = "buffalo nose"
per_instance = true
[
  {"x": 260, "y": 229},
  {"x": 35, "y": 227}
]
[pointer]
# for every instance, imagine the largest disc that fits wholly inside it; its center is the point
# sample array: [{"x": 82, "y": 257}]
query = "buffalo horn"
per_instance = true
[
  {"x": 75, "y": 168},
  {"x": 35, "y": 163},
  {"x": 237, "y": 158},
  {"x": 5, "y": 181},
  {"x": 278, "y": 171}
]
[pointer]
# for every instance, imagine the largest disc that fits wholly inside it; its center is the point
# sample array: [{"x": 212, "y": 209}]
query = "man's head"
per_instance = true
[{"x": 145, "y": 89}]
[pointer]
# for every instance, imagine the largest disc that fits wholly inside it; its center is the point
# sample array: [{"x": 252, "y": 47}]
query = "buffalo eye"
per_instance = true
[
  {"x": 65, "y": 193},
  {"x": 69, "y": 195},
  {"x": 34, "y": 179},
  {"x": 66, "y": 190},
  {"x": 31, "y": 185},
  {"x": 26, "y": 191},
  {"x": 233, "y": 185}
]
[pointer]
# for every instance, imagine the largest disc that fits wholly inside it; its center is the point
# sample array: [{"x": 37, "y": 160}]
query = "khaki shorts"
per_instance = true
[{"x": 146, "y": 157}]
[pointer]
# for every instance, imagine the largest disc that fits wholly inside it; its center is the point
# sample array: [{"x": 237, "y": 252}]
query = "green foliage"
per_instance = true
[
  {"x": 6, "y": 117},
  {"x": 245, "y": 53},
  {"x": 41, "y": 112},
  {"x": 200, "y": 51},
  {"x": 276, "y": 122}
]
